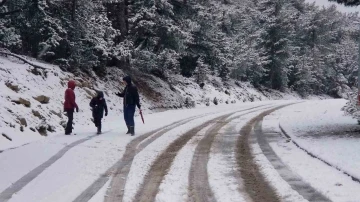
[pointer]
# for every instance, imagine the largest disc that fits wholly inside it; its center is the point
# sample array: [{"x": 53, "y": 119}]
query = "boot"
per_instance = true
[
  {"x": 128, "y": 127},
  {"x": 99, "y": 131},
  {"x": 94, "y": 121},
  {"x": 132, "y": 130}
]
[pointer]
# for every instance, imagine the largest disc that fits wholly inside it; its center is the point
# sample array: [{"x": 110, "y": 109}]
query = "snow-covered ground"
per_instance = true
[
  {"x": 321, "y": 129},
  {"x": 55, "y": 167},
  {"x": 175, "y": 183},
  {"x": 22, "y": 117},
  {"x": 84, "y": 162}
]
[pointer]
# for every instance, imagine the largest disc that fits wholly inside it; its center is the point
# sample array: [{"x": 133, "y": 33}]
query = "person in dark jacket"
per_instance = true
[
  {"x": 131, "y": 100},
  {"x": 70, "y": 105},
  {"x": 98, "y": 105}
]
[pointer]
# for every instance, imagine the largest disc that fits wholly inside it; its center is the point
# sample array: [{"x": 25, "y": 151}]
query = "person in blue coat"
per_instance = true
[
  {"x": 98, "y": 105},
  {"x": 131, "y": 100}
]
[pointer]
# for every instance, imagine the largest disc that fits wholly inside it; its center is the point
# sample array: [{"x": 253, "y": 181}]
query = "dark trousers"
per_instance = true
[
  {"x": 97, "y": 121},
  {"x": 70, "y": 115},
  {"x": 129, "y": 112}
]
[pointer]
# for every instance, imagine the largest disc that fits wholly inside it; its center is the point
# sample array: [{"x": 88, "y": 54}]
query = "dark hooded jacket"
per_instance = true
[
  {"x": 70, "y": 103},
  {"x": 98, "y": 104},
  {"x": 130, "y": 94}
]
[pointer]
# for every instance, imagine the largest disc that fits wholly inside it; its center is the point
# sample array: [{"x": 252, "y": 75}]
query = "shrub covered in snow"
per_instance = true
[
  {"x": 351, "y": 107},
  {"x": 215, "y": 101},
  {"x": 189, "y": 103},
  {"x": 207, "y": 101}
]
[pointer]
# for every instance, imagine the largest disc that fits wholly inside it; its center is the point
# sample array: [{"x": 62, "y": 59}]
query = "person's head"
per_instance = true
[
  {"x": 71, "y": 84},
  {"x": 100, "y": 95},
  {"x": 127, "y": 80}
]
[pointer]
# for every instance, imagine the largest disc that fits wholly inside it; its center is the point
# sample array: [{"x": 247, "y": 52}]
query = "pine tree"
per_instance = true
[
  {"x": 274, "y": 41},
  {"x": 9, "y": 38},
  {"x": 201, "y": 71},
  {"x": 278, "y": 44}
]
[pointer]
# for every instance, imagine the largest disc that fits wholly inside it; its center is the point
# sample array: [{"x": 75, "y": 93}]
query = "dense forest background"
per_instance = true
[{"x": 277, "y": 44}]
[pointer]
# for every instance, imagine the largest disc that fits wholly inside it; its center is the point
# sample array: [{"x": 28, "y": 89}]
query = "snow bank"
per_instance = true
[
  {"x": 319, "y": 127},
  {"x": 322, "y": 128}
]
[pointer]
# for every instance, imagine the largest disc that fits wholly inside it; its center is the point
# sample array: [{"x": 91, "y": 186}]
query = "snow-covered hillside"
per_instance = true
[
  {"x": 32, "y": 101},
  {"x": 32, "y": 98}
]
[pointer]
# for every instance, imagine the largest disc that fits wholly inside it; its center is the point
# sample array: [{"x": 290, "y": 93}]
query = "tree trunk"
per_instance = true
[
  {"x": 73, "y": 10},
  {"x": 118, "y": 14}
]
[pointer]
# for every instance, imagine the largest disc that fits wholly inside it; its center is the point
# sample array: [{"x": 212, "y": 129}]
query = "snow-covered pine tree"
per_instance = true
[
  {"x": 201, "y": 71},
  {"x": 155, "y": 30},
  {"x": 275, "y": 31},
  {"x": 9, "y": 38},
  {"x": 274, "y": 43}
]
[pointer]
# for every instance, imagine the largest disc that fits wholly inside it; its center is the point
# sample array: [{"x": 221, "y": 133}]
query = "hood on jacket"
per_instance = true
[
  {"x": 71, "y": 84},
  {"x": 127, "y": 79},
  {"x": 100, "y": 94}
]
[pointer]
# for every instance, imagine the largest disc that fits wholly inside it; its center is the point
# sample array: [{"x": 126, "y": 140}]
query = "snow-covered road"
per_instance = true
[{"x": 225, "y": 153}]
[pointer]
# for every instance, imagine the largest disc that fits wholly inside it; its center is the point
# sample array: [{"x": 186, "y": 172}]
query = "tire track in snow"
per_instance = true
[
  {"x": 121, "y": 168},
  {"x": 117, "y": 186},
  {"x": 159, "y": 168},
  {"x": 176, "y": 180},
  {"x": 26, "y": 179},
  {"x": 199, "y": 186},
  {"x": 198, "y": 178},
  {"x": 295, "y": 181},
  {"x": 225, "y": 181},
  {"x": 255, "y": 184},
  {"x": 163, "y": 162}
]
